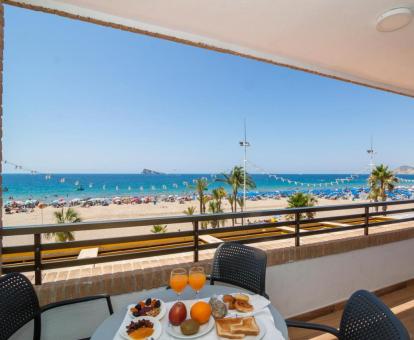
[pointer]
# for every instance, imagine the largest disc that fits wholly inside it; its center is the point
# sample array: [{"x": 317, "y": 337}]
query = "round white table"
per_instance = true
[{"x": 108, "y": 329}]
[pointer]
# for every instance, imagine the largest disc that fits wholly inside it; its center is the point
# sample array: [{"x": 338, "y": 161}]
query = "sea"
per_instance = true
[{"x": 70, "y": 186}]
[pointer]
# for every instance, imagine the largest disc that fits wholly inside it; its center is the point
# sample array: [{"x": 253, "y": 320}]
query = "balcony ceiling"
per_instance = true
[{"x": 334, "y": 38}]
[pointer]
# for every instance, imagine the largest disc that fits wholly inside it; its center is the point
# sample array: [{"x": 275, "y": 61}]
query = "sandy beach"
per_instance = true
[{"x": 129, "y": 211}]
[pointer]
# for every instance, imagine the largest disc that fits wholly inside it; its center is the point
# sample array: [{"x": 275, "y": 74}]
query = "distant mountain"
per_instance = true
[
  {"x": 150, "y": 172},
  {"x": 405, "y": 169}
]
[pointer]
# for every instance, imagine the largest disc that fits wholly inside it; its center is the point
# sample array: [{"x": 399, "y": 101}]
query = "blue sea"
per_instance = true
[{"x": 70, "y": 186}]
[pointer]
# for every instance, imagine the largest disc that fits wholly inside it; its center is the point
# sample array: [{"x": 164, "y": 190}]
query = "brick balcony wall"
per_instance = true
[
  {"x": 136, "y": 275},
  {"x": 1, "y": 119}
]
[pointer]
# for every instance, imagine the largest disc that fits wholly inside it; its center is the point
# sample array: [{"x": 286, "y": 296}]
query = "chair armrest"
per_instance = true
[
  {"x": 314, "y": 326},
  {"x": 79, "y": 300}
]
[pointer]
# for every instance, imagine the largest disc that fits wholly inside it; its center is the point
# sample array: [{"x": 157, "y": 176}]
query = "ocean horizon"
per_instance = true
[{"x": 70, "y": 186}]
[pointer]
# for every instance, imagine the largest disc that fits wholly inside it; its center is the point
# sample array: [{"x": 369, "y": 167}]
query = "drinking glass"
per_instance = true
[
  {"x": 178, "y": 280},
  {"x": 197, "y": 279}
]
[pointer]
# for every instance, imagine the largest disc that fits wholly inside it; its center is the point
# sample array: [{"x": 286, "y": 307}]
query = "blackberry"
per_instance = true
[
  {"x": 148, "y": 302},
  {"x": 157, "y": 304}
]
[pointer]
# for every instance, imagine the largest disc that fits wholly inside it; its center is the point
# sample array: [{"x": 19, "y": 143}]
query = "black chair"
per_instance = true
[
  {"x": 19, "y": 305},
  {"x": 240, "y": 265},
  {"x": 365, "y": 317}
]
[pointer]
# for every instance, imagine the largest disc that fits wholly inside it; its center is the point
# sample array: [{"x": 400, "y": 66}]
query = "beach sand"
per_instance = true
[{"x": 131, "y": 211}]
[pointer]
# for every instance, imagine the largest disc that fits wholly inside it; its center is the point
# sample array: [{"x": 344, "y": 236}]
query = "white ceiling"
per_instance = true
[{"x": 332, "y": 37}]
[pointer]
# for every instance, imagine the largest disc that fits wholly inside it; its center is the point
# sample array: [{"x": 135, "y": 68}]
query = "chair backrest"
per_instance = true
[
  {"x": 367, "y": 317},
  {"x": 241, "y": 266},
  {"x": 18, "y": 305}
]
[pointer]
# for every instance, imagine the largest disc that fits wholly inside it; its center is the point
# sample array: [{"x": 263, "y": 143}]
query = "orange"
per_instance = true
[{"x": 200, "y": 312}]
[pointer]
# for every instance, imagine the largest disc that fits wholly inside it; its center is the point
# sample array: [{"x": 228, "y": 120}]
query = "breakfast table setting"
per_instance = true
[{"x": 191, "y": 309}]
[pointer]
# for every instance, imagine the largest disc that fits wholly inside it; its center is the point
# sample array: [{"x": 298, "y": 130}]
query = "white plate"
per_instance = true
[
  {"x": 175, "y": 331},
  {"x": 236, "y": 313},
  {"x": 262, "y": 333},
  {"x": 157, "y": 327},
  {"x": 163, "y": 310}
]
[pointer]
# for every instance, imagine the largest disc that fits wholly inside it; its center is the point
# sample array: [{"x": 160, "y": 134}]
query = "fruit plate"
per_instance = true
[
  {"x": 157, "y": 327},
  {"x": 163, "y": 311},
  {"x": 175, "y": 331}
]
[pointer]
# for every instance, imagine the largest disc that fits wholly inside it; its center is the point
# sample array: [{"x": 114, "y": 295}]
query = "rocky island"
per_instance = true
[
  {"x": 405, "y": 170},
  {"x": 150, "y": 172}
]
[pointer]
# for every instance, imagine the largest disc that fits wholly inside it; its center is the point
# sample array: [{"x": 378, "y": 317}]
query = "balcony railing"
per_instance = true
[{"x": 43, "y": 256}]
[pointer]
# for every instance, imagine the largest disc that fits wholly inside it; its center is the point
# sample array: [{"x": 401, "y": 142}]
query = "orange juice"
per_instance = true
[
  {"x": 197, "y": 280},
  {"x": 178, "y": 282}
]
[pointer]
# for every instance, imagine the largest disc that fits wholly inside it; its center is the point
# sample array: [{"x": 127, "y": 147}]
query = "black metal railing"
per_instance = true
[{"x": 189, "y": 241}]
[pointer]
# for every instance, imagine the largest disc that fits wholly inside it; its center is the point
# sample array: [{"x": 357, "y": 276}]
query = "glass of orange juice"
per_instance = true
[
  {"x": 197, "y": 279},
  {"x": 178, "y": 280}
]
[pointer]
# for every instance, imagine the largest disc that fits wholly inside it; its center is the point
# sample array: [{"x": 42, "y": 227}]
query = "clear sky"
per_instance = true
[{"x": 83, "y": 98}]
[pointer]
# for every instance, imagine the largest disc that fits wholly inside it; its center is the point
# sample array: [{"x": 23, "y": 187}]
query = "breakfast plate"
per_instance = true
[
  {"x": 175, "y": 331},
  {"x": 156, "y": 309},
  {"x": 137, "y": 322},
  {"x": 252, "y": 305}
]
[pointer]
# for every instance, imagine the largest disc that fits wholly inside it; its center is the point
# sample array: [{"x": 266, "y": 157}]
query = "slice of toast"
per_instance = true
[
  {"x": 248, "y": 327},
  {"x": 223, "y": 327},
  {"x": 237, "y": 328}
]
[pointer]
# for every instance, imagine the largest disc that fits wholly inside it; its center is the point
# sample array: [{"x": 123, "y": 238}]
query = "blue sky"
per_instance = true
[{"x": 83, "y": 98}]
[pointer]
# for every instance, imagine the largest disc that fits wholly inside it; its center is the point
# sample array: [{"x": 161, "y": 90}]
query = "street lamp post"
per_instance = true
[
  {"x": 371, "y": 154},
  {"x": 244, "y": 143}
]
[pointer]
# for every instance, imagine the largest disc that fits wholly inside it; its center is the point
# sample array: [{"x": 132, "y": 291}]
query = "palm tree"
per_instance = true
[
  {"x": 240, "y": 202},
  {"x": 70, "y": 216},
  {"x": 380, "y": 181},
  {"x": 300, "y": 200},
  {"x": 159, "y": 229},
  {"x": 201, "y": 186},
  {"x": 204, "y": 202},
  {"x": 374, "y": 194},
  {"x": 213, "y": 207},
  {"x": 189, "y": 211},
  {"x": 231, "y": 202},
  {"x": 218, "y": 195},
  {"x": 235, "y": 179}
]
